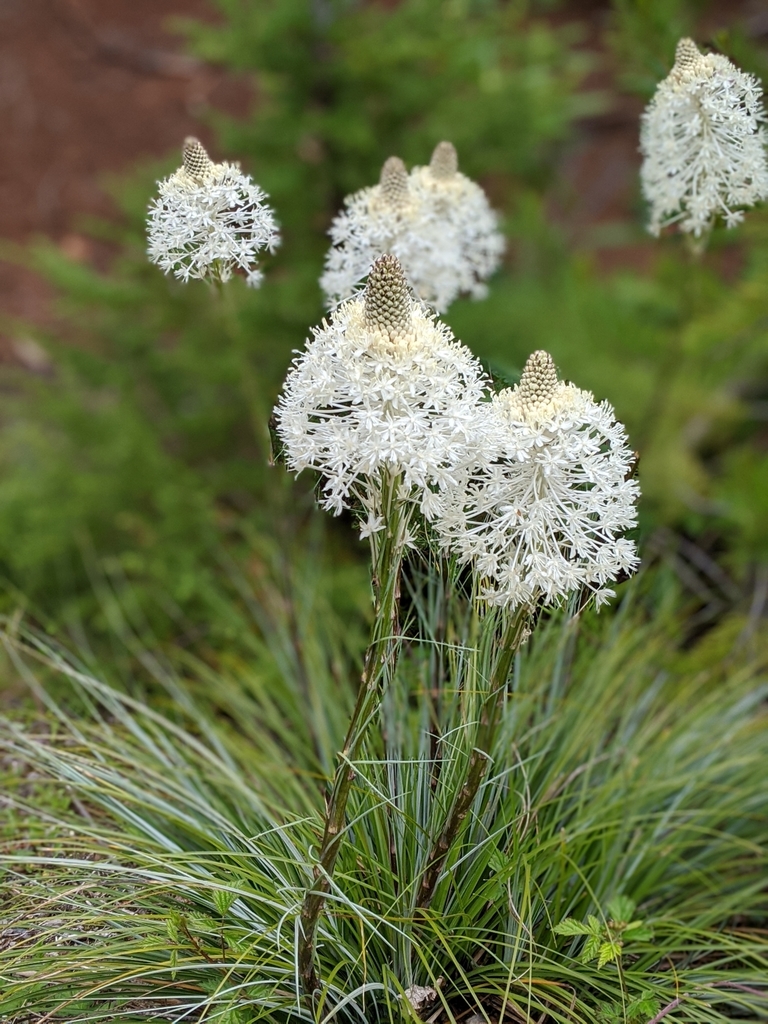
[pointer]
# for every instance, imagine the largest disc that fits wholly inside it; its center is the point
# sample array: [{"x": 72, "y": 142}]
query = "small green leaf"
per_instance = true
[
  {"x": 608, "y": 952},
  {"x": 595, "y": 926},
  {"x": 591, "y": 949},
  {"x": 497, "y": 861},
  {"x": 239, "y": 946},
  {"x": 499, "y": 866},
  {"x": 199, "y": 922},
  {"x": 232, "y": 1016},
  {"x": 644, "y": 934},
  {"x": 570, "y": 926},
  {"x": 644, "y": 1008},
  {"x": 223, "y": 900},
  {"x": 610, "y": 1013},
  {"x": 621, "y": 909}
]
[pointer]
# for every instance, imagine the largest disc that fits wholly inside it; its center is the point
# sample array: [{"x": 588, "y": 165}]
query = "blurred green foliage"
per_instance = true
[
  {"x": 643, "y": 35},
  {"x": 145, "y": 448}
]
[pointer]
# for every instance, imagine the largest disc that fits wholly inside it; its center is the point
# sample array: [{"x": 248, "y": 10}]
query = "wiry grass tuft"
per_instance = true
[{"x": 169, "y": 887}]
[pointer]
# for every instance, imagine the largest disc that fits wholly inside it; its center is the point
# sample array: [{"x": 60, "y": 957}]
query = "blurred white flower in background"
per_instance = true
[
  {"x": 540, "y": 515},
  {"x": 210, "y": 221},
  {"x": 382, "y": 387},
  {"x": 703, "y": 143},
  {"x": 435, "y": 220}
]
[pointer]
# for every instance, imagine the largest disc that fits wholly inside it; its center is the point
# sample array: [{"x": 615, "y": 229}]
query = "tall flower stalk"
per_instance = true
[
  {"x": 537, "y": 516},
  {"x": 387, "y": 548},
  {"x": 531, "y": 489}
]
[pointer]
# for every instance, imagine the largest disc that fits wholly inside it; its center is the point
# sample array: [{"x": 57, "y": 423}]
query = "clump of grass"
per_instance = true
[{"x": 624, "y": 775}]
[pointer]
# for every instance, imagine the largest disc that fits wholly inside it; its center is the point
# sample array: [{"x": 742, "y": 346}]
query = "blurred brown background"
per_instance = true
[{"x": 87, "y": 87}]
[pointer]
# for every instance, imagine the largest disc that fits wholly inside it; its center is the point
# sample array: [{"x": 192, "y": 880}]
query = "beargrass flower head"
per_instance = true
[
  {"x": 435, "y": 220},
  {"x": 210, "y": 221},
  {"x": 703, "y": 143},
  {"x": 541, "y": 514},
  {"x": 382, "y": 387}
]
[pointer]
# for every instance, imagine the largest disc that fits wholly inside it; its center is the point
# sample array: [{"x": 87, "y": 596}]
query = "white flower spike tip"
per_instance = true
[
  {"x": 703, "y": 142},
  {"x": 210, "y": 221},
  {"x": 435, "y": 220},
  {"x": 540, "y": 516},
  {"x": 382, "y": 387}
]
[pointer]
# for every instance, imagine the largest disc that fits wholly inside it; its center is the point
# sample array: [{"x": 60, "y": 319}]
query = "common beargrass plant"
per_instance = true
[{"x": 511, "y": 819}]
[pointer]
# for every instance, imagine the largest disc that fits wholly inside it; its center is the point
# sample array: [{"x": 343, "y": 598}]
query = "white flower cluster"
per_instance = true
[
  {"x": 540, "y": 516},
  {"x": 703, "y": 143},
  {"x": 532, "y": 488},
  {"x": 382, "y": 387},
  {"x": 210, "y": 221},
  {"x": 435, "y": 220}
]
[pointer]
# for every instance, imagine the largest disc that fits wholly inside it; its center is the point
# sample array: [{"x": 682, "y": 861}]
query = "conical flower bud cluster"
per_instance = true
[
  {"x": 210, "y": 221},
  {"x": 703, "y": 143},
  {"x": 387, "y": 306},
  {"x": 393, "y": 183},
  {"x": 195, "y": 160},
  {"x": 382, "y": 387},
  {"x": 538, "y": 384},
  {"x": 435, "y": 220},
  {"x": 445, "y": 161}
]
